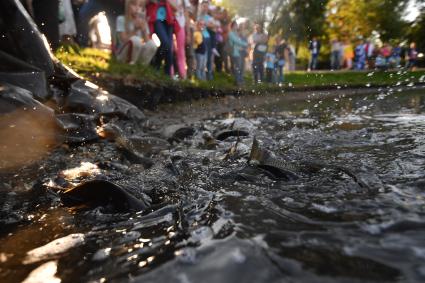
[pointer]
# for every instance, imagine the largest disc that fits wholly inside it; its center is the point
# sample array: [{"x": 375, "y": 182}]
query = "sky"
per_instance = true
[{"x": 412, "y": 11}]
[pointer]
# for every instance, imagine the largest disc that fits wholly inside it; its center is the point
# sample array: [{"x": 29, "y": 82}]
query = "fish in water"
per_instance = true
[
  {"x": 102, "y": 193},
  {"x": 266, "y": 160},
  {"x": 134, "y": 147},
  {"x": 280, "y": 169}
]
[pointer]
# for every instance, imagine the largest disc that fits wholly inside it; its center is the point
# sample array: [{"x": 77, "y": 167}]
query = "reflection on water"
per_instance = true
[{"x": 206, "y": 225}]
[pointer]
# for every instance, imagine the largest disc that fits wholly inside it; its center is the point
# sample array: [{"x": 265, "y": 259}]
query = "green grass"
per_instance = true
[{"x": 90, "y": 62}]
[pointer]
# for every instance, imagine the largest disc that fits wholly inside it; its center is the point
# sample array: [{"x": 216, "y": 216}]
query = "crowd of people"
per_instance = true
[
  {"x": 189, "y": 39},
  {"x": 365, "y": 55}
]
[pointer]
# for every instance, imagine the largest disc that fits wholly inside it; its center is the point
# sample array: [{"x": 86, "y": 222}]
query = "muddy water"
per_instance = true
[{"x": 206, "y": 224}]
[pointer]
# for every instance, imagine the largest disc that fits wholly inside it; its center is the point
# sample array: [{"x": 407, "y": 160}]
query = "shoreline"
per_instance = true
[{"x": 150, "y": 95}]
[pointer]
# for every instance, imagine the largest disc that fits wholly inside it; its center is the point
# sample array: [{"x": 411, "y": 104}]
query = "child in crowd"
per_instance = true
[
  {"x": 133, "y": 42},
  {"x": 360, "y": 56},
  {"x": 270, "y": 65},
  {"x": 348, "y": 55},
  {"x": 412, "y": 56},
  {"x": 236, "y": 44},
  {"x": 199, "y": 44},
  {"x": 281, "y": 52},
  {"x": 259, "y": 39}
]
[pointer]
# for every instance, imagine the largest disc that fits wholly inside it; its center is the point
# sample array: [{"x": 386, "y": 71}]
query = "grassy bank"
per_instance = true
[{"x": 92, "y": 62}]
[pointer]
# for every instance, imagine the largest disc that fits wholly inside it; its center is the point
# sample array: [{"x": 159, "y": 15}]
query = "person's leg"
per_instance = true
[
  {"x": 198, "y": 66},
  {"x": 261, "y": 70},
  {"x": 219, "y": 59},
  {"x": 123, "y": 55},
  {"x": 169, "y": 51},
  {"x": 147, "y": 52},
  {"x": 315, "y": 57},
  {"x": 165, "y": 51},
  {"x": 137, "y": 48},
  {"x": 280, "y": 70},
  {"x": 190, "y": 61},
  {"x": 255, "y": 71},
  {"x": 235, "y": 67},
  {"x": 181, "y": 52},
  {"x": 204, "y": 66},
  {"x": 269, "y": 75},
  {"x": 310, "y": 62},
  {"x": 242, "y": 68},
  {"x": 208, "y": 43}
]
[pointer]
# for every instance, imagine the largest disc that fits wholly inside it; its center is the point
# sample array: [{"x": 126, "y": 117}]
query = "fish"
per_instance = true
[
  {"x": 266, "y": 160},
  {"x": 102, "y": 193},
  {"x": 290, "y": 171},
  {"x": 134, "y": 147}
]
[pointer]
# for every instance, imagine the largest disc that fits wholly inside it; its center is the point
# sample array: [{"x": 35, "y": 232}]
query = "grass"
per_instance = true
[{"x": 90, "y": 62}]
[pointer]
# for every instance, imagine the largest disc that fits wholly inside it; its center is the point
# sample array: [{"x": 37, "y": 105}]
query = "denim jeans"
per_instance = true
[
  {"x": 165, "y": 51},
  {"x": 258, "y": 70},
  {"x": 280, "y": 75},
  {"x": 335, "y": 60},
  {"x": 209, "y": 56},
  {"x": 313, "y": 61},
  {"x": 201, "y": 62},
  {"x": 237, "y": 69}
]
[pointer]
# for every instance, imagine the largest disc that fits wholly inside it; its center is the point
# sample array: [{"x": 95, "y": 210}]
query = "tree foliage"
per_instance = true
[
  {"x": 255, "y": 10},
  {"x": 417, "y": 31},
  {"x": 299, "y": 20},
  {"x": 359, "y": 18}
]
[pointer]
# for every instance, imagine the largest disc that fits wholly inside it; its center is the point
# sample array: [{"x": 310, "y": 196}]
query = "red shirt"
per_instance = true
[{"x": 152, "y": 9}]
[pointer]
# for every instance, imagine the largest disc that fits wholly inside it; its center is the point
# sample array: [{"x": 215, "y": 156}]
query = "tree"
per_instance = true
[
  {"x": 255, "y": 10},
  {"x": 359, "y": 18},
  {"x": 416, "y": 32},
  {"x": 299, "y": 20}
]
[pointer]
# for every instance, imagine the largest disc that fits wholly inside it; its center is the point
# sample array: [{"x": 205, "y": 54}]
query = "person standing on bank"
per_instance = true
[
  {"x": 281, "y": 52},
  {"x": 314, "y": 48},
  {"x": 259, "y": 39},
  {"x": 161, "y": 19},
  {"x": 133, "y": 36},
  {"x": 236, "y": 43}
]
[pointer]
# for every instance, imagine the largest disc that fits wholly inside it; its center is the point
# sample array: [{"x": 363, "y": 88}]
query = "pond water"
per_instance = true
[{"x": 206, "y": 224}]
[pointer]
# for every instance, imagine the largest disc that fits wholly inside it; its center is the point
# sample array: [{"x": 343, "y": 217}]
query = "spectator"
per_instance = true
[
  {"x": 395, "y": 59},
  {"x": 244, "y": 51},
  {"x": 161, "y": 19},
  {"x": 200, "y": 50},
  {"x": 219, "y": 38},
  {"x": 259, "y": 39},
  {"x": 360, "y": 55},
  {"x": 348, "y": 55},
  {"x": 386, "y": 52},
  {"x": 292, "y": 57},
  {"x": 190, "y": 51},
  {"x": 281, "y": 52},
  {"x": 236, "y": 44},
  {"x": 412, "y": 56},
  {"x": 314, "y": 48},
  {"x": 209, "y": 35},
  {"x": 335, "y": 54},
  {"x": 270, "y": 66},
  {"x": 133, "y": 42},
  {"x": 180, "y": 31},
  {"x": 370, "y": 51}
]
